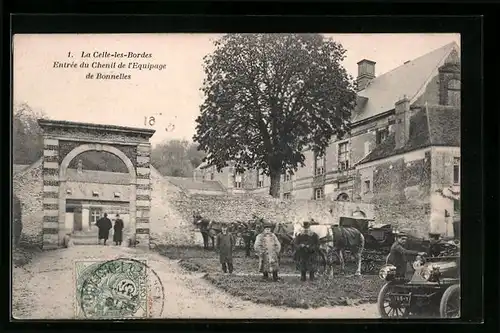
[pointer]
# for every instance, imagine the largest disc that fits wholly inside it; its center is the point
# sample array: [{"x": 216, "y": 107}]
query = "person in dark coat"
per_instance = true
[
  {"x": 225, "y": 244},
  {"x": 118, "y": 230},
  {"x": 307, "y": 245},
  {"x": 399, "y": 255},
  {"x": 104, "y": 225}
]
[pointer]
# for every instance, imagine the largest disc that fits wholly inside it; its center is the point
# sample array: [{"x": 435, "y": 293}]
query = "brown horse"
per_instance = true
[
  {"x": 284, "y": 232},
  {"x": 209, "y": 229},
  {"x": 347, "y": 238},
  {"x": 248, "y": 231}
]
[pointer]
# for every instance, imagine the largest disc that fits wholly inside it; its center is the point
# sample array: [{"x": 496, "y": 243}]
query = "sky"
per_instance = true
[{"x": 170, "y": 91}]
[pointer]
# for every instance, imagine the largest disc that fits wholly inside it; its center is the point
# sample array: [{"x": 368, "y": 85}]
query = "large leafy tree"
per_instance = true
[
  {"x": 27, "y": 138},
  {"x": 176, "y": 158},
  {"x": 270, "y": 96}
]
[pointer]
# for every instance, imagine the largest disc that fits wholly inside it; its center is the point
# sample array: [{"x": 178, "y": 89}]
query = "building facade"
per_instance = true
[{"x": 432, "y": 79}]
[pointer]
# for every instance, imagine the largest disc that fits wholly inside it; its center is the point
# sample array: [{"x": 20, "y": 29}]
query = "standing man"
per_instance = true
[
  {"x": 118, "y": 230},
  {"x": 104, "y": 225},
  {"x": 307, "y": 245},
  {"x": 225, "y": 244},
  {"x": 398, "y": 255},
  {"x": 268, "y": 247}
]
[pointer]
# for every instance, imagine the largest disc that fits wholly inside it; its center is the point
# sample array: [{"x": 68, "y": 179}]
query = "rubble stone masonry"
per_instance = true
[{"x": 400, "y": 190}]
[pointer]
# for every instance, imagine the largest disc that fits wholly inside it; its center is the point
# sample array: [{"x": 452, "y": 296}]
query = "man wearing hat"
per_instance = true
[
  {"x": 307, "y": 245},
  {"x": 398, "y": 255},
  {"x": 267, "y": 247},
  {"x": 225, "y": 244}
]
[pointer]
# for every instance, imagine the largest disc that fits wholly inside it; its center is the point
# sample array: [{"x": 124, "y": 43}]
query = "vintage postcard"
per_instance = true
[{"x": 243, "y": 176}]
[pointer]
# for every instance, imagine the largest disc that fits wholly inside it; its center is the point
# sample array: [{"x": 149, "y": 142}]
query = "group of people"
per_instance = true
[
  {"x": 267, "y": 247},
  {"x": 104, "y": 225}
]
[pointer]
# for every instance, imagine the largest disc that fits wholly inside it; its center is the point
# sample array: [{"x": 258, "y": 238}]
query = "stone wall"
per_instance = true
[
  {"x": 401, "y": 190},
  {"x": 415, "y": 217},
  {"x": 401, "y": 179},
  {"x": 28, "y": 186},
  {"x": 234, "y": 208},
  {"x": 169, "y": 224}
]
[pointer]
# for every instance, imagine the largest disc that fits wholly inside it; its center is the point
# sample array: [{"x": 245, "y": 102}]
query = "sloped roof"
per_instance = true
[
  {"x": 435, "y": 125},
  {"x": 408, "y": 80},
  {"x": 19, "y": 167},
  {"x": 191, "y": 184}
]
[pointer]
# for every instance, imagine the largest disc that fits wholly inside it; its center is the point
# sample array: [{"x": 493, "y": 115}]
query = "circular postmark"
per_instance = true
[{"x": 118, "y": 289}]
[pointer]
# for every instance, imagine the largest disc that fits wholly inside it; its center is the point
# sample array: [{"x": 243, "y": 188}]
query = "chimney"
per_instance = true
[
  {"x": 402, "y": 125},
  {"x": 366, "y": 73}
]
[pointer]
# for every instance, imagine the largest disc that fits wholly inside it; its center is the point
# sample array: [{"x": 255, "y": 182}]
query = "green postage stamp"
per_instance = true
[{"x": 112, "y": 289}]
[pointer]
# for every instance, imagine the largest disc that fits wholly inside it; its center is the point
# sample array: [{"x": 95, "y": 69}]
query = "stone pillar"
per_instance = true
[
  {"x": 50, "y": 193},
  {"x": 143, "y": 195},
  {"x": 85, "y": 218}
]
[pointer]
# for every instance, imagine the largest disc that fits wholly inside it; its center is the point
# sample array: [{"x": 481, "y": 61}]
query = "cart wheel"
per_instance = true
[
  {"x": 390, "y": 305},
  {"x": 368, "y": 266},
  {"x": 450, "y": 302}
]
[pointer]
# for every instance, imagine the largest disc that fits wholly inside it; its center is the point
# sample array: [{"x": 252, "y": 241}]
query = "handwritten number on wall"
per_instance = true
[{"x": 150, "y": 122}]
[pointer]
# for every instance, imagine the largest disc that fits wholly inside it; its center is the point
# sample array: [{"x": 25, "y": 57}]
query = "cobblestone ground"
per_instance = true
[{"x": 44, "y": 289}]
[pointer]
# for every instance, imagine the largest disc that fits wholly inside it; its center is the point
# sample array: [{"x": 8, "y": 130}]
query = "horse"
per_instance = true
[
  {"x": 209, "y": 229},
  {"x": 248, "y": 231},
  {"x": 337, "y": 239},
  {"x": 348, "y": 238},
  {"x": 284, "y": 232}
]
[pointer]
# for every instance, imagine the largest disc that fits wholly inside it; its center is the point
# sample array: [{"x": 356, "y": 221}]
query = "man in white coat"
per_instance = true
[{"x": 267, "y": 247}]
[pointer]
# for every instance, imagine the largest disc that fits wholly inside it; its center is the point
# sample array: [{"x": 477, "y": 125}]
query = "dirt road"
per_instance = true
[{"x": 44, "y": 289}]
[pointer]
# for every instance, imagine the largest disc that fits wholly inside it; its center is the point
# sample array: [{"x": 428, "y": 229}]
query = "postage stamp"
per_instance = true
[{"x": 117, "y": 289}]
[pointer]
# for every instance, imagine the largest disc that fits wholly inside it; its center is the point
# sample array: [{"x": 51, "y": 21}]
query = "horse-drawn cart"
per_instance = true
[{"x": 378, "y": 241}]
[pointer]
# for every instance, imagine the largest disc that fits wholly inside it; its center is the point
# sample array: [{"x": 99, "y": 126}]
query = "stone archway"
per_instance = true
[
  {"x": 63, "y": 141},
  {"x": 98, "y": 147}
]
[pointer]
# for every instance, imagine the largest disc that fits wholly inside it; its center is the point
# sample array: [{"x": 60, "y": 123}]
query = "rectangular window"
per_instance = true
[
  {"x": 343, "y": 159},
  {"x": 212, "y": 176},
  {"x": 456, "y": 170},
  {"x": 382, "y": 135},
  {"x": 319, "y": 193},
  {"x": 319, "y": 165},
  {"x": 288, "y": 177},
  {"x": 454, "y": 93},
  {"x": 95, "y": 214},
  {"x": 287, "y": 196},
  {"x": 456, "y": 206},
  {"x": 367, "y": 186}
]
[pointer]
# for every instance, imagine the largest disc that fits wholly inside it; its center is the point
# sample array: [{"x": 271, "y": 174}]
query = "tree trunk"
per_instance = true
[{"x": 274, "y": 190}]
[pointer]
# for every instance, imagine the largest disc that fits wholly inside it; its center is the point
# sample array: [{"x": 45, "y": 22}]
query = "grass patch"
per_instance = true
[
  {"x": 288, "y": 292},
  {"x": 291, "y": 292}
]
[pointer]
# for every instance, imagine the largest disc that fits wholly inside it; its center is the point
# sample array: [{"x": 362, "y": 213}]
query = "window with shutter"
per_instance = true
[
  {"x": 343, "y": 156},
  {"x": 453, "y": 93}
]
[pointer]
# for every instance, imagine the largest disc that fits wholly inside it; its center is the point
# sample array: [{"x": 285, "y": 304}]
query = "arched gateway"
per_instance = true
[{"x": 89, "y": 192}]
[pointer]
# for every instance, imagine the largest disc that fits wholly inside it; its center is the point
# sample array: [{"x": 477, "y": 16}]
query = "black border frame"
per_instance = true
[{"x": 202, "y": 17}]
